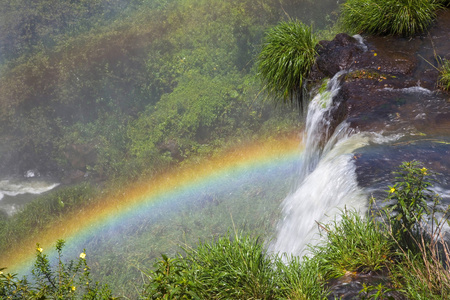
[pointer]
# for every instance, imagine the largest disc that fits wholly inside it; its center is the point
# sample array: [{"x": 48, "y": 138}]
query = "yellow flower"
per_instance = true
[
  {"x": 39, "y": 249},
  {"x": 374, "y": 54},
  {"x": 83, "y": 255},
  {"x": 1, "y": 272},
  {"x": 392, "y": 190},
  {"x": 74, "y": 288},
  {"x": 424, "y": 171}
]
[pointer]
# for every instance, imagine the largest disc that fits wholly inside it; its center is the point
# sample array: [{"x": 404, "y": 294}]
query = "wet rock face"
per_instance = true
[
  {"x": 336, "y": 55},
  {"x": 390, "y": 83}
]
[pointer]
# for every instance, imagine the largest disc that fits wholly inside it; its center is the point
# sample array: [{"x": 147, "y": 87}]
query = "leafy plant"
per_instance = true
[
  {"x": 409, "y": 200},
  {"x": 285, "y": 60},
  {"x": 397, "y": 17},
  {"x": 63, "y": 281}
]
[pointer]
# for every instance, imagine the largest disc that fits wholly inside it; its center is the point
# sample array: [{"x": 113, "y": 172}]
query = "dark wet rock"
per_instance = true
[
  {"x": 390, "y": 84},
  {"x": 351, "y": 285},
  {"x": 394, "y": 56},
  {"x": 335, "y": 55}
]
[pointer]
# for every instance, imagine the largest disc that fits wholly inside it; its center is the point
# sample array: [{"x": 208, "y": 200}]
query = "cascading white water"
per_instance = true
[
  {"x": 327, "y": 180},
  {"x": 318, "y": 125},
  {"x": 15, "y": 188}
]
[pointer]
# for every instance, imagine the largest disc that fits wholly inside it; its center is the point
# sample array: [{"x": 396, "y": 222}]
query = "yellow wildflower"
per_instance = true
[
  {"x": 424, "y": 171},
  {"x": 392, "y": 190},
  {"x": 39, "y": 249},
  {"x": 1, "y": 272},
  {"x": 74, "y": 288},
  {"x": 83, "y": 255},
  {"x": 374, "y": 54}
]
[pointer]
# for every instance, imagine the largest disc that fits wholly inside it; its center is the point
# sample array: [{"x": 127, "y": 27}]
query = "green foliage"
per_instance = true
[
  {"x": 231, "y": 268},
  {"x": 65, "y": 280},
  {"x": 26, "y": 25},
  {"x": 43, "y": 212},
  {"x": 415, "y": 221},
  {"x": 408, "y": 202},
  {"x": 302, "y": 278},
  {"x": 375, "y": 292},
  {"x": 87, "y": 86},
  {"x": 444, "y": 74},
  {"x": 285, "y": 60},
  {"x": 352, "y": 244},
  {"x": 397, "y": 17},
  {"x": 421, "y": 276}
]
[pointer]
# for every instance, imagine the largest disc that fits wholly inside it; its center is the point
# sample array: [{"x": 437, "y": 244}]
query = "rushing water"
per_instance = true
[{"x": 15, "y": 192}]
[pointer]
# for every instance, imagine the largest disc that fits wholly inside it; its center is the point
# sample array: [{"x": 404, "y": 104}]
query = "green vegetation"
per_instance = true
[
  {"x": 286, "y": 59},
  {"x": 397, "y": 17},
  {"x": 408, "y": 206},
  {"x": 88, "y": 92},
  {"x": 363, "y": 249},
  {"x": 444, "y": 74},
  {"x": 64, "y": 280},
  {"x": 236, "y": 266},
  {"x": 43, "y": 213}
]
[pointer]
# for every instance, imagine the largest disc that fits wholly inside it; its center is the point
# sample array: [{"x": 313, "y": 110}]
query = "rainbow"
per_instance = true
[{"x": 163, "y": 194}]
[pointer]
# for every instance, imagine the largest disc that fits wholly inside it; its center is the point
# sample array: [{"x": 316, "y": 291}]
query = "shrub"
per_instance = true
[
  {"x": 397, "y": 17},
  {"x": 286, "y": 59},
  {"x": 409, "y": 206}
]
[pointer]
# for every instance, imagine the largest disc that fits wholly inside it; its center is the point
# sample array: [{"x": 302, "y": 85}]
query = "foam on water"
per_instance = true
[{"x": 14, "y": 188}]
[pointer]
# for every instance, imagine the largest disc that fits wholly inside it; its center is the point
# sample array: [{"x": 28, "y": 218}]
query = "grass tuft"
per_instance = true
[
  {"x": 352, "y": 244},
  {"x": 444, "y": 75},
  {"x": 385, "y": 17},
  {"x": 286, "y": 59}
]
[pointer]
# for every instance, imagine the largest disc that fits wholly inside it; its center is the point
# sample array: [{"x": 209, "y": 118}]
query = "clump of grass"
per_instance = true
[
  {"x": 444, "y": 75},
  {"x": 286, "y": 58},
  {"x": 233, "y": 268},
  {"x": 352, "y": 244},
  {"x": 396, "y": 17}
]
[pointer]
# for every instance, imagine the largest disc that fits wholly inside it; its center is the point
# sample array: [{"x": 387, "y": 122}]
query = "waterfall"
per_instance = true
[{"x": 327, "y": 179}]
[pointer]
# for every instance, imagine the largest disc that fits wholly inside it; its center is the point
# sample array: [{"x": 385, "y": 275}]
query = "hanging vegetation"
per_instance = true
[{"x": 286, "y": 59}]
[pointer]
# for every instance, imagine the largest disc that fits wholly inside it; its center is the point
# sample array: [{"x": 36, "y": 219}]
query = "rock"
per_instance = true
[{"x": 336, "y": 55}]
